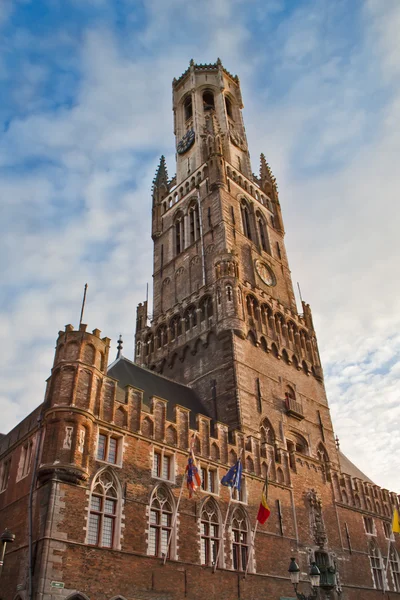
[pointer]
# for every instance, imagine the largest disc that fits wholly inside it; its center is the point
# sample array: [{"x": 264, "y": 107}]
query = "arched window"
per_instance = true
[
  {"x": 175, "y": 327},
  {"x": 160, "y": 527},
  {"x": 395, "y": 567},
  {"x": 190, "y": 318},
  {"x": 262, "y": 230},
  {"x": 104, "y": 510},
  {"x": 208, "y": 100},
  {"x": 206, "y": 307},
  {"x": 179, "y": 234},
  {"x": 161, "y": 336},
  {"x": 322, "y": 454},
  {"x": 229, "y": 296},
  {"x": 240, "y": 540},
  {"x": 228, "y": 106},
  {"x": 194, "y": 223},
  {"x": 188, "y": 107},
  {"x": 267, "y": 433},
  {"x": 210, "y": 529},
  {"x": 246, "y": 220},
  {"x": 376, "y": 565}
]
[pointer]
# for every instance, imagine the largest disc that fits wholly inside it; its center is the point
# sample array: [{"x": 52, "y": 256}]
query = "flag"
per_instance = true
[
  {"x": 193, "y": 480},
  {"x": 233, "y": 478},
  {"x": 396, "y": 521},
  {"x": 264, "y": 510}
]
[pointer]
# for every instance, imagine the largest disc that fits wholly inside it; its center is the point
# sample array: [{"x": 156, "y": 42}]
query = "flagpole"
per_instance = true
[
  {"x": 174, "y": 520},
  {"x": 255, "y": 530},
  {"x": 251, "y": 548},
  {"x": 223, "y": 530}
]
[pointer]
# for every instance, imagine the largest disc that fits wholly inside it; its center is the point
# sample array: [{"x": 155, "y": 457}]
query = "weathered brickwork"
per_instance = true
[{"x": 226, "y": 365}]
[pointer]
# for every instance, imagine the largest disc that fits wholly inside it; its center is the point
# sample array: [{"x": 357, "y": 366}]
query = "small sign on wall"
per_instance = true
[{"x": 57, "y": 584}]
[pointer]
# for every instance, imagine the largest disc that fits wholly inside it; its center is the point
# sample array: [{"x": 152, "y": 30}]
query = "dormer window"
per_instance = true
[
  {"x": 188, "y": 108},
  {"x": 208, "y": 101}
]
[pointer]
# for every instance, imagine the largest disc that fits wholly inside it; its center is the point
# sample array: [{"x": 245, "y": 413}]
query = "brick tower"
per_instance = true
[{"x": 225, "y": 320}]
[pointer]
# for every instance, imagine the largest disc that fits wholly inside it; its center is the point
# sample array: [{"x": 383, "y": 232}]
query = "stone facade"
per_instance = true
[{"x": 90, "y": 481}]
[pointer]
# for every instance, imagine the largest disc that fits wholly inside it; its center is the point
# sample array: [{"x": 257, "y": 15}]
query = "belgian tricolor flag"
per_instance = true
[{"x": 264, "y": 511}]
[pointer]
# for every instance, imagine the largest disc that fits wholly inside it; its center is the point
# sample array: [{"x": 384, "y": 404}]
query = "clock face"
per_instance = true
[
  {"x": 186, "y": 142},
  {"x": 265, "y": 273}
]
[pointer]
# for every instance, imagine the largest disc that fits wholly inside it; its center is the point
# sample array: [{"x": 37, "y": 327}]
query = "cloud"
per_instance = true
[{"x": 82, "y": 134}]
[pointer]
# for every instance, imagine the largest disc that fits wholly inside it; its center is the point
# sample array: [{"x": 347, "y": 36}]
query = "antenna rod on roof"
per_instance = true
[
  {"x": 83, "y": 303},
  {"x": 298, "y": 285},
  {"x": 147, "y": 302}
]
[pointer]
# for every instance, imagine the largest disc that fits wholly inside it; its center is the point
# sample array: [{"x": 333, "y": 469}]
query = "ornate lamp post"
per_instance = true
[
  {"x": 294, "y": 573},
  {"x": 5, "y": 538}
]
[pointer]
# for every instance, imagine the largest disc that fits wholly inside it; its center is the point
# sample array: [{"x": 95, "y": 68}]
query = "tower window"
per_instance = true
[
  {"x": 262, "y": 230},
  {"x": 246, "y": 220},
  {"x": 228, "y": 106},
  {"x": 179, "y": 235},
  {"x": 208, "y": 101},
  {"x": 194, "y": 223},
  {"x": 188, "y": 107}
]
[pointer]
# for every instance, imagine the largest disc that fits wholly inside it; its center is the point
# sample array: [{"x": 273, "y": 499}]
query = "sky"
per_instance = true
[{"x": 85, "y": 114}]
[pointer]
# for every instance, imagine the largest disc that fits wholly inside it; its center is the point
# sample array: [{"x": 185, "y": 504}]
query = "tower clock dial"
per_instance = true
[
  {"x": 265, "y": 273},
  {"x": 186, "y": 142}
]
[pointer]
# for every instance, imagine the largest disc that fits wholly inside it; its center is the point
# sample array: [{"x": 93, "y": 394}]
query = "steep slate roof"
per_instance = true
[
  {"x": 152, "y": 384},
  {"x": 349, "y": 468}
]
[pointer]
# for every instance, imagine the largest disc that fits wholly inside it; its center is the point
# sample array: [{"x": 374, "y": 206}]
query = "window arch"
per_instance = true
[
  {"x": 188, "y": 107},
  {"x": 190, "y": 318},
  {"x": 240, "y": 540},
  {"x": 161, "y": 336},
  {"x": 175, "y": 327},
  {"x": 322, "y": 454},
  {"x": 179, "y": 233},
  {"x": 267, "y": 432},
  {"x": 206, "y": 308},
  {"x": 375, "y": 558},
  {"x": 104, "y": 509},
  {"x": 194, "y": 223},
  {"x": 160, "y": 525},
  {"x": 210, "y": 533},
  {"x": 395, "y": 567},
  {"x": 208, "y": 100},
  {"x": 262, "y": 231},
  {"x": 246, "y": 220},
  {"x": 229, "y": 108}
]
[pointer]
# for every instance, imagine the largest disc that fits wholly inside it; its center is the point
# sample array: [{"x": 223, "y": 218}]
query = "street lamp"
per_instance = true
[
  {"x": 5, "y": 538},
  {"x": 294, "y": 573}
]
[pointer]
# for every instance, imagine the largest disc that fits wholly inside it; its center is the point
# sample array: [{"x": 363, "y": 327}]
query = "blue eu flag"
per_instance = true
[{"x": 233, "y": 478}]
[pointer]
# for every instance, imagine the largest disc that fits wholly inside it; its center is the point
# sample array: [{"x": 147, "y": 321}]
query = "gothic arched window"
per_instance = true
[
  {"x": 210, "y": 533},
  {"x": 104, "y": 510},
  {"x": 208, "y": 100},
  {"x": 262, "y": 230},
  {"x": 206, "y": 308},
  {"x": 160, "y": 526},
  {"x": 267, "y": 433},
  {"x": 179, "y": 234},
  {"x": 395, "y": 567},
  {"x": 190, "y": 318},
  {"x": 376, "y": 565},
  {"x": 194, "y": 223},
  {"x": 175, "y": 327},
  {"x": 240, "y": 540},
  {"x": 228, "y": 106},
  {"x": 246, "y": 219},
  {"x": 188, "y": 107},
  {"x": 161, "y": 336}
]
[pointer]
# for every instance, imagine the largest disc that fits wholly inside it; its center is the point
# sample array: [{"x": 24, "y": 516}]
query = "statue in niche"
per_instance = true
[{"x": 317, "y": 522}]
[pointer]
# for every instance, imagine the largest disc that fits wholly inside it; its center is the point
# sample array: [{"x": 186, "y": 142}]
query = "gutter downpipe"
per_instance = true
[{"x": 30, "y": 508}]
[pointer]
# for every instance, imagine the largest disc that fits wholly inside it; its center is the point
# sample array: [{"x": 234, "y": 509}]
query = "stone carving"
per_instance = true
[{"x": 317, "y": 522}]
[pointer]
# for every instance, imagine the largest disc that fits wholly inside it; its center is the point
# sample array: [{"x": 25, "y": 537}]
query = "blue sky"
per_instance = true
[{"x": 86, "y": 112}]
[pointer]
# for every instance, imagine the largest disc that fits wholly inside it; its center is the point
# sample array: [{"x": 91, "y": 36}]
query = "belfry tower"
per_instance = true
[{"x": 225, "y": 320}]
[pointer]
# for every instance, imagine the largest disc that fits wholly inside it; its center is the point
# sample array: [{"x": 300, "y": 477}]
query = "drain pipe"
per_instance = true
[{"x": 30, "y": 507}]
